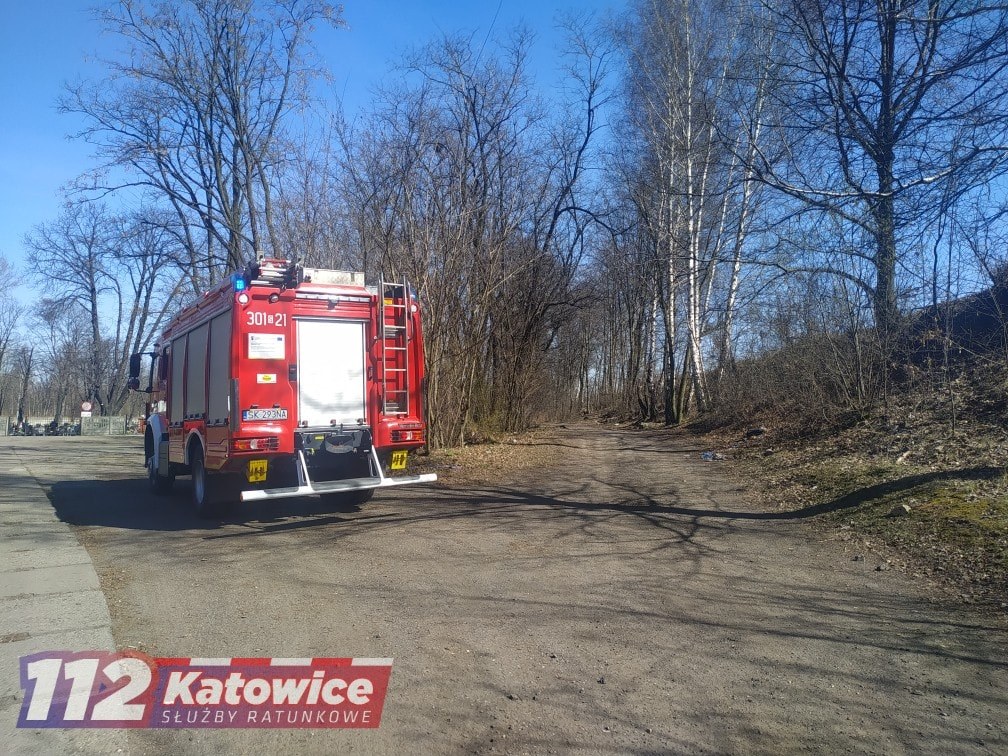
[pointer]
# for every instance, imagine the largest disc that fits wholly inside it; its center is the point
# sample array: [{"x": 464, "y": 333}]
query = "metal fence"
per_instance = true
[{"x": 115, "y": 425}]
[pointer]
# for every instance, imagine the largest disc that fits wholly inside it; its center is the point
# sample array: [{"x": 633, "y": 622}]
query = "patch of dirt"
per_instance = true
[
  {"x": 493, "y": 459},
  {"x": 921, "y": 483},
  {"x": 629, "y": 600}
]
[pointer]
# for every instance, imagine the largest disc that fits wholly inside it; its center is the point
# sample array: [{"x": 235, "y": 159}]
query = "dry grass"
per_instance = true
[
  {"x": 493, "y": 459},
  {"x": 939, "y": 447}
]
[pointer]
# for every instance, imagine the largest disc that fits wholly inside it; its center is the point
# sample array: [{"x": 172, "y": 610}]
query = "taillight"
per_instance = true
[
  {"x": 406, "y": 435},
  {"x": 265, "y": 443}
]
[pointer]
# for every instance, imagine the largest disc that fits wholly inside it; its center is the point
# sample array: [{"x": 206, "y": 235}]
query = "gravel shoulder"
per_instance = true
[{"x": 621, "y": 596}]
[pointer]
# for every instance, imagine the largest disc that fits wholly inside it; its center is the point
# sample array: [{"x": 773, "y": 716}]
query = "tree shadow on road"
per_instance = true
[
  {"x": 850, "y": 500},
  {"x": 129, "y": 504},
  {"x": 509, "y": 510}
]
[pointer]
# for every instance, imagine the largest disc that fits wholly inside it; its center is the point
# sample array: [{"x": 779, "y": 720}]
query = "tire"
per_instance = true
[
  {"x": 349, "y": 499},
  {"x": 360, "y": 497},
  {"x": 205, "y": 494},
  {"x": 159, "y": 484}
]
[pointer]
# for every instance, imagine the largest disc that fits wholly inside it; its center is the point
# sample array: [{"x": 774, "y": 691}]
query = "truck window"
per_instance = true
[
  {"x": 178, "y": 351},
  {"x": 220, "y": 367},
  {"x": 196, "y": 353}
]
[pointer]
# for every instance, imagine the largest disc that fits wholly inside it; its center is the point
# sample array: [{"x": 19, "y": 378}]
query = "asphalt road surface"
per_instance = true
[{"x": 631, "y": 601}]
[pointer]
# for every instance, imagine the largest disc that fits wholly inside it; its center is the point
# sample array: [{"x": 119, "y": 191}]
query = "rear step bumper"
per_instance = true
[{"x": 307, "y": 487}]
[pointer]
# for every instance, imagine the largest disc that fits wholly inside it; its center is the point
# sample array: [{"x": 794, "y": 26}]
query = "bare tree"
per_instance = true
[
  {"x": 118, "y": 273},
  {"x": 540, "y": 295},
  {"x": 462, "y": 183},
  {"x": 10, "y": 312},
  {"x": 887, "y": 103},
  {"x": 696, "y": 86},
  {"x": 145, "y": 284},
  {"x": 23, "y": 365},
  {"x": 195, "y": 113},
  {"x": 71, "y": 259},
  {"x": 312, "y": 218},
  {"x": 60, "y": 333}
]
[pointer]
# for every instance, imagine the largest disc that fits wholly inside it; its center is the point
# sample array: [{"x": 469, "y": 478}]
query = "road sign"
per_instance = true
[{"x": 85, "y": 406}]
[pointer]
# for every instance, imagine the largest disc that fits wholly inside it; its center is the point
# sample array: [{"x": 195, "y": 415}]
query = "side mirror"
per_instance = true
[
  {"x": 134, "y": 368},
  {"x": 133, "y": 384}
]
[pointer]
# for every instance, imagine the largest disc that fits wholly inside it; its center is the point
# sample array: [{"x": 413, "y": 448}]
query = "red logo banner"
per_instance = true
[{"x": 99, "y": 689}]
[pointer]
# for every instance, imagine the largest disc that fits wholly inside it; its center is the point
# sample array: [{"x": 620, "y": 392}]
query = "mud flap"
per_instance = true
[{"x": 164, "y": 470}]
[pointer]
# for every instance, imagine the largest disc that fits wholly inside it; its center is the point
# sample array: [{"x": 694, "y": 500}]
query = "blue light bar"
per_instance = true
[{"x": 238, "y": 281}]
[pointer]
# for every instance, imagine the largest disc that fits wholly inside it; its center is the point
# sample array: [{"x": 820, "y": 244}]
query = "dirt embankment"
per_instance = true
[{"x": 921, "y": 481}]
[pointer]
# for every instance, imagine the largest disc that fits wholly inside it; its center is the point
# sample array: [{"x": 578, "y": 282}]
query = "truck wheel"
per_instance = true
[
  {"x": 205, "y": 500},
  {"x": 159, "y": 484},
  {"x": 357, "y": 498},
  {"x": 348, "y": 499}
]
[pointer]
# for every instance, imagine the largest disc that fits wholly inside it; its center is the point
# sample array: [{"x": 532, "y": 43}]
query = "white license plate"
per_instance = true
[{"x": 264, "y": 414}]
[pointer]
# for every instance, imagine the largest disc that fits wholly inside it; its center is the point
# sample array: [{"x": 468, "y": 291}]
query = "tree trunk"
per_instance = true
[
  {"x": 885, "y": 216},
  {"x": 25, "y": 380}
]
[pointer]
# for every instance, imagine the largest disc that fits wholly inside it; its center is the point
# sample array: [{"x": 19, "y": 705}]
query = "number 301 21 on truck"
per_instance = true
[{"x": 286, "y": 381}]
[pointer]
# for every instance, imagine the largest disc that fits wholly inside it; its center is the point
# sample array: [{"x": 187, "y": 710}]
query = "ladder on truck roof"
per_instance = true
[{"x": 394, "y": 316}]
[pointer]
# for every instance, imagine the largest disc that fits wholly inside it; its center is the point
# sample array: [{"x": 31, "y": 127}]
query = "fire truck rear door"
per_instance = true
[{"x": 330, "y": 372}]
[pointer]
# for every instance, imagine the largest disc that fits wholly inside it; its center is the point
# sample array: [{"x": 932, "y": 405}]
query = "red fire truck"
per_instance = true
[{"x": 287, "y": 381}]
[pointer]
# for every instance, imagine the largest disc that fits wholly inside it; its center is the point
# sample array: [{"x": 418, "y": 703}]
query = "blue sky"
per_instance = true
[{"x": 44, "y": 44}]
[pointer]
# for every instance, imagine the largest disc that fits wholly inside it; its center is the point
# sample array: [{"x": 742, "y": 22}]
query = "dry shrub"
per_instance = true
[{"x": 812, "y": 384}]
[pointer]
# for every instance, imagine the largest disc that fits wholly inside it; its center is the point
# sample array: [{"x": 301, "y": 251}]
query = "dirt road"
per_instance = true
[{"x": 630, "y": 601}]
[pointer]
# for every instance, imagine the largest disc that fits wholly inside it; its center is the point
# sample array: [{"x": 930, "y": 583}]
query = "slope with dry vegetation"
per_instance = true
[{"x": 919, "y": 482}]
